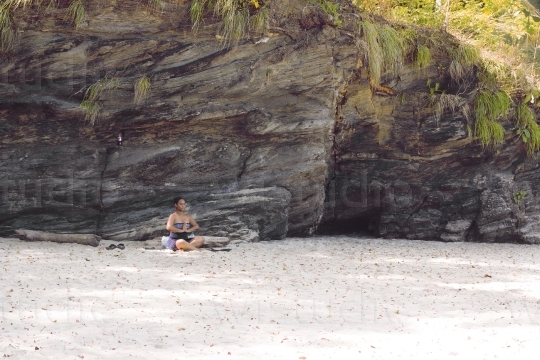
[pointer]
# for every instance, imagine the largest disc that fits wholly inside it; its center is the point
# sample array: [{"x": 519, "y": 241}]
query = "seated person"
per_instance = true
[{"x": 181, "y": 227}]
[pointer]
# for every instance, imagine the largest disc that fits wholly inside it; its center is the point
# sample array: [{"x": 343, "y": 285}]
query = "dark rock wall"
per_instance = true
[
  {"x": 401, "y": 171},
  {"x": 243, "y": 132},
  {"x": 277, "y": 135}
]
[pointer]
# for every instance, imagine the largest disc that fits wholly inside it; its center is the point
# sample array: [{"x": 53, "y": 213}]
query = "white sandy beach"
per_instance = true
[{"x": 318, "y": 298}]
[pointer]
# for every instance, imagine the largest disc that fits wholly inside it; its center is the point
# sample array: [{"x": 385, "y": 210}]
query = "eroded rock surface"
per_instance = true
[
  {"x": 277, "y": 135},
  {"x": 243, "y": 132},
  {"x": 402, "y": 170}
]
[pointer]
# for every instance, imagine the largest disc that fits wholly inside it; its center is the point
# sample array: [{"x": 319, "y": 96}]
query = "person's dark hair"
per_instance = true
[{"x": 177, "y": 199}]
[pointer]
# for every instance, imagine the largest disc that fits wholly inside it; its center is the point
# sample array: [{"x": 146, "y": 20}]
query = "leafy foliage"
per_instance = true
[
  {"x": 490, "y": 133},
  {"x": 505, "y": 32},
  {"x": 422, "y": 57},
  {"x": 434, "y": 89},
  {"x": 489, "y": 108},
  {"x": 331, "y": 8},
  {"x": 527, "y": 128},
  {"x": 519, "y": 196},
  {"x": 492, "y": 105},
  {"x": 497, "y": 55}
]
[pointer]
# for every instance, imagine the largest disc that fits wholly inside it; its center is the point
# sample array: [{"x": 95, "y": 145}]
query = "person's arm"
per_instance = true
[
  {"x": 194, "y": 225},
  {"x": 170, "y": 225}
]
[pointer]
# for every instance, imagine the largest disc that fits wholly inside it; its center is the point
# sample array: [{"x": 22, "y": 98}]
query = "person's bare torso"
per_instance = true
[{"x": 180, "y": 218}]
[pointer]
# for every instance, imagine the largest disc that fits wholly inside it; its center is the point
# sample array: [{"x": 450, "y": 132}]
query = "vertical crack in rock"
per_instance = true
[
  {"x": 417, "y": 133},
  {"x": 470, "y": 234},
  {"x": 334, "y": 149},
  {"x": 421, "y": 204},
  {"x": 331, "y": 177},
  {"x": 100, "y": 199},
  {"x": 244, "y": 166}
]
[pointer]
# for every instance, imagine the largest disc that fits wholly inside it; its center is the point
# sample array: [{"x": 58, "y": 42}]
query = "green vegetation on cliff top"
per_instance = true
[{"x": 497, "y": 61}]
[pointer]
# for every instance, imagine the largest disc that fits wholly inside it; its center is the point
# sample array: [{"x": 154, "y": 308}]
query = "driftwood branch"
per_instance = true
[{"x": 82, "y": 239}]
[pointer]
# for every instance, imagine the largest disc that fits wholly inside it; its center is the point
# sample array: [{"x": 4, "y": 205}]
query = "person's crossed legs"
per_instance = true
[{"x": 191, "y": 245}]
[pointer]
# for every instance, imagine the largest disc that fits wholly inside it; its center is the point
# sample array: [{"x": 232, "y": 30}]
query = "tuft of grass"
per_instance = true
[
  {"x": 393, "y": 49},
  {"x": 489, "y": 107},
  {"x": 196, "y": 12},
  {"x": 409, "y": 38},
  {"x": 95, "y": 90},
  {"x": 76, "y": 13},
  {"x": 233, "y": 25},
  {"x": 331, "y": 8},
  {"x": 91, "y": 111},
  {"x": 527, "y": 128},
  {"x": 8, "y": 29},
  {"x": 385, "y": 49},
  {"x": 496, "y": 74},
  {"x": 259, "y": 22},
  {"x": 464, "y": 57},
  {"x": 465, "y": 54},
  {"x": 374, "y": 50},
  {"x": 422, "y": 57},
  {"x": 379, "y": 7},
  {"x": 458, "y": 72},
  {"x": 51, "y": 4},
  {"x": 155, "y": 5},
  {"x": 449, "y": 102},
  {"x": 238, "y": 17},
  {"x": 490, "y": 133},
  {"x": 492, "y": 105},
  {"x": 13, "y": 4},
  {"x": 235, "y": 19},
  {"x": 142, "y": 88},
  {"x": 90, "y": 104}
]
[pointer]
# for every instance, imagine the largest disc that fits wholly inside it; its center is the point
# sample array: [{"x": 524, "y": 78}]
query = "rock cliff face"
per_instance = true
[
  {"x": 277, "y": 135},
  {"x": 403, "y": 169}
]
